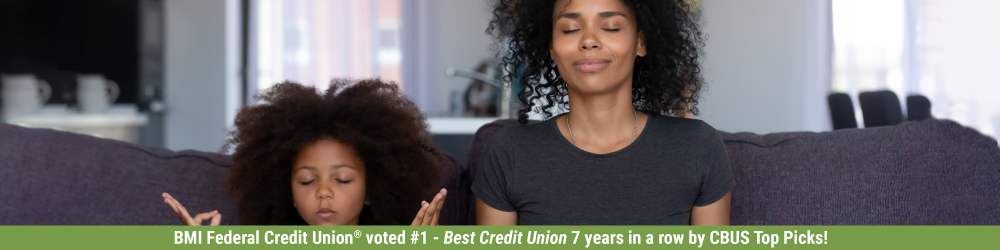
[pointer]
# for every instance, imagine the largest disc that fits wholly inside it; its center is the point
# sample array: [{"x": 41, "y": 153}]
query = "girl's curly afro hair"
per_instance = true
[
  {"x": 665, "y": 81},
  {"x": 387, "y": 132}
]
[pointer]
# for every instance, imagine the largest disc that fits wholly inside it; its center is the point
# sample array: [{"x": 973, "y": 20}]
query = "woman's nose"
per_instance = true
[{"x": 589, "y": 41}]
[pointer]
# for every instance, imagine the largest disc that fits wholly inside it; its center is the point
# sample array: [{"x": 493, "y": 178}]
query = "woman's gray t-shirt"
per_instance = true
[{"x": 675, "y": 164}]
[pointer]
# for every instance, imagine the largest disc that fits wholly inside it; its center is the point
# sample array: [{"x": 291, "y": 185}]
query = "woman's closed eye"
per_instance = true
[{"x": 574, "y": 31}]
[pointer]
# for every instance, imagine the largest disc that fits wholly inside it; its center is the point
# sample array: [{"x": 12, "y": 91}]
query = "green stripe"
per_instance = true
[{"x": 500, "y": 237}]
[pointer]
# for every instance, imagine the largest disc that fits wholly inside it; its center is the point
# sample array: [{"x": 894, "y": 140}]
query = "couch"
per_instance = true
[{"x": 932, "y": 172}]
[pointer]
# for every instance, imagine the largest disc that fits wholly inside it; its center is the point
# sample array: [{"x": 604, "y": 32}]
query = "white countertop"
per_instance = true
[
  {"x": 59, "y": 116},
  {"x": 457, "y": 125}
]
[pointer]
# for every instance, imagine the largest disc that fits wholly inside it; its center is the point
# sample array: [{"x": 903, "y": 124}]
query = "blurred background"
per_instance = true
[{"x": 173, "y": 73}]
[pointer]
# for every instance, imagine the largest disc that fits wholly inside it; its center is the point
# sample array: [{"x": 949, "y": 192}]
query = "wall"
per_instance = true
[
  {"x": 439, "y": 34},
  {"x": 464, "y": 43},
  {"x": 767, "y": 65},
  {"x": 200, "y": 82}
]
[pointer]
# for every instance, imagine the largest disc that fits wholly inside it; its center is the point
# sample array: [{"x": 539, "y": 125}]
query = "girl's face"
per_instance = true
[
  {"x": 594, "y": 44},
  {"x": 328, "y": 183}
]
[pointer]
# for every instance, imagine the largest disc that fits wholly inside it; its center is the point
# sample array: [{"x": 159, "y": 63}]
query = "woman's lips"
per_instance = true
[
  {"x": 325, "y": 213},
  {"x": 591, "y": 64}
]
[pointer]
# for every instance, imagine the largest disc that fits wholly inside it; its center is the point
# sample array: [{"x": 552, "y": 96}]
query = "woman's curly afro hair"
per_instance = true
[
  {"x": 387, "y": 131},
  {"x": 665, "y": 81}
]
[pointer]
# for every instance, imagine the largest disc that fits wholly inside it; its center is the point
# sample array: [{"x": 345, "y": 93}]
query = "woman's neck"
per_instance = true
[{"x": 602, "y": 123}]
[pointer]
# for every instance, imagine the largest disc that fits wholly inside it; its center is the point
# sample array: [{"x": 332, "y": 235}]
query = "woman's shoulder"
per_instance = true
[
  {"x": 512, "y": 135},
  {"x": 515, "y": 133},
  {"x": 683, "y": 131},
  {"x": 686, "y": 125}
]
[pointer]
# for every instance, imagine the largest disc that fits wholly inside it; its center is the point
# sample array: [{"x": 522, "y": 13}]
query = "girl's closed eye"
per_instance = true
[
  {"x": 570, "y": 31},
  {"x": 343, "y": 181},
  {"x": 304, "y": 183}
]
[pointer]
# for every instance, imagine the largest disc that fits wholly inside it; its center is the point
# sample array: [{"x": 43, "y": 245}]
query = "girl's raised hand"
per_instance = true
[
  {"x": 430, "y": 212},
  {"x": 186, "y": 218}
]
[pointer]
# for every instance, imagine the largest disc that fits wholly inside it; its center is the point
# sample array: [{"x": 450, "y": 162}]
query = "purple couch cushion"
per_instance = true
[
  {"x": 56, "y": 178},
  {"x": 916, "y": 173}
]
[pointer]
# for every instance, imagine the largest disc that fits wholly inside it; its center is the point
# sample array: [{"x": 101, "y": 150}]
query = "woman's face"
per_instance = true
[
  {"x": 328, "y": 183},
  {"x": 594, "y": 44}
]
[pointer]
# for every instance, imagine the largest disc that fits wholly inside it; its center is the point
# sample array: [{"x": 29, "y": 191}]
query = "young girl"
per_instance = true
[
  {"x": 618, "y": 66},
  {"x": 357, "y": 154}
]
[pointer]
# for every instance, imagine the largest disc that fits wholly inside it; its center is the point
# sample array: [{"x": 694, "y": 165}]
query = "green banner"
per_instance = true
[{"x": 499, "y": 237}]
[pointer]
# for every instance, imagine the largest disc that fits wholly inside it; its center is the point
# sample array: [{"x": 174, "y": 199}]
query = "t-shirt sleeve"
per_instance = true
[
  {"x": 717, "y": 179},
  {"x": 491, "y": 184}
]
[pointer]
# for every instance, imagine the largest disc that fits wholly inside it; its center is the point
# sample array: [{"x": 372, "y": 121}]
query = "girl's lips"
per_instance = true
[
  {"x": 325, "y": 213},
  {"x": 591, "y": 64}
]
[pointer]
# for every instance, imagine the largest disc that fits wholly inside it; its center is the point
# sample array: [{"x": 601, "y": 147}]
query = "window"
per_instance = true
[
  {"x": 944, "y": 50},
  {"x": 311, "y": 42}
]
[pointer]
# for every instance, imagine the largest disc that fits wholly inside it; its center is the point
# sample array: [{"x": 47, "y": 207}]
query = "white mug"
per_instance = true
[
  {"x": 23, "y": 93},
  {"x": 95, "y": 94}
]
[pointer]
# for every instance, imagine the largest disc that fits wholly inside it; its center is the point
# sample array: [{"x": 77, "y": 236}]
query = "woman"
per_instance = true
[
  {"x": 356, "y": 154},
  {"x": 618, "y": 66}
]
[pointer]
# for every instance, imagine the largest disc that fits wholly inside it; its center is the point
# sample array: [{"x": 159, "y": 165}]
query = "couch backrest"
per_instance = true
[
  {"x": 932, "y": 172},
  {"x": 50, "y": 177}
]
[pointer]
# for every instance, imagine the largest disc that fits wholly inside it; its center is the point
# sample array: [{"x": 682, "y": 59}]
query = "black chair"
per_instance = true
[
  {"x": 918, "y": 108},
  {"x": 841, "y": 111},
  {"x": 880, "y": 108}
]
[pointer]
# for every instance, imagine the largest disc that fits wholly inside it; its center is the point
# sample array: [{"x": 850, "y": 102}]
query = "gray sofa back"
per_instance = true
[
  {"x": 50, "y": 177},
  {"x": 931, "y": 172}
]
